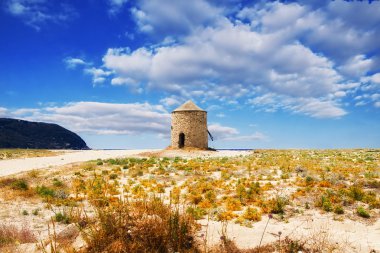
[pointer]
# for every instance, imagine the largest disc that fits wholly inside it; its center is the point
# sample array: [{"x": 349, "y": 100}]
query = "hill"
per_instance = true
[{"x": 15, "y": 133}]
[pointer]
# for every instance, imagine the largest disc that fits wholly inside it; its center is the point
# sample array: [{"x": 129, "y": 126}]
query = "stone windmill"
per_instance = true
[{"x": 189, "y": 127}]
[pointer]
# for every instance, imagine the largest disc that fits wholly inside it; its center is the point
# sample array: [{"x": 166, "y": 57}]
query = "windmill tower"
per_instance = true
[{"x": 189, "y": 127}]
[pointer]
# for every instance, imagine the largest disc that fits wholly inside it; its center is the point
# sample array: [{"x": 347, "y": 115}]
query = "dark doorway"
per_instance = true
[{"x": 181, "y": 141}]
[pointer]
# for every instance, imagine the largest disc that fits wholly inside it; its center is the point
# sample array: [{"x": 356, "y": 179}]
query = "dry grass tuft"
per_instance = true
[
  {"x": 10, "y": 235},
  {"x": 286, "y": 245},
  {"x": 141, "y": 226},
  {"x": 15, "y": 187}
]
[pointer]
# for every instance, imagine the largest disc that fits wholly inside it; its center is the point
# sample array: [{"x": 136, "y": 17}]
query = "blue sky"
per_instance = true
[{"x": 285, "y": 74}]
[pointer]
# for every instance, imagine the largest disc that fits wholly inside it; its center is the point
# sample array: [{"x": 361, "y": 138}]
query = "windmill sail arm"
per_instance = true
[{"x": 212, "y": 138}]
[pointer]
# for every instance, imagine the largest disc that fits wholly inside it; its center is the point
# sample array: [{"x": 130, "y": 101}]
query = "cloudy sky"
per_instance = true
[{"x": 285, "y": 74}]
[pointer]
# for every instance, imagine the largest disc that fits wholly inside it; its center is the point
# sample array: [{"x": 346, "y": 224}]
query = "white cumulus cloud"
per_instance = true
[
  {"x": 166, "y": 17},
  {"x": 289, "y": 52},
  {"x": 100, "y": 118},
  {"x": 72, "y": 63},
  {"x": 98, "y": 74}
]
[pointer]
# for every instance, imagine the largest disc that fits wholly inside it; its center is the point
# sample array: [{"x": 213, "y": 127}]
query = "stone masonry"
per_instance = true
[{"x": 189, "y": 127}]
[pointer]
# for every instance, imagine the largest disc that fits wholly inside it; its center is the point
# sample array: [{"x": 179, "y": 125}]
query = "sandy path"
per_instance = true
[{"x": 9, "y": 167}]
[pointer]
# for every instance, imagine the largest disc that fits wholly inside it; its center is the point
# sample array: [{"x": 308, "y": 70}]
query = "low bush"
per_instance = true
[
  {"x": 20, "y": 184},
  {"x": 62, "y": 217},
  {"x": 339, "y": 209},
  {"x": 356, "y": 193},
  {"x": 142, "y": 226},
  {"x": 277, "y": 205},
  {"x": 57, "y": 182},
  {"x": 362, "y": 212},
  {"x": 326, "y": 206},
  {"x": 36, "y": 211},
  {"x": 44, "y": 191},
  {"x": 309, "y": 180}
]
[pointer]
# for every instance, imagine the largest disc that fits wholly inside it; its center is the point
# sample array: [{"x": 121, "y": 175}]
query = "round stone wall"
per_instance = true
[{"x": 193, "y": 125}]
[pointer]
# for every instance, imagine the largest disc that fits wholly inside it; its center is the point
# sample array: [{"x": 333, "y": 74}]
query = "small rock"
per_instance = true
[
  {"x": 79, "y": 243},
  {"x": 68, "y": 233}
]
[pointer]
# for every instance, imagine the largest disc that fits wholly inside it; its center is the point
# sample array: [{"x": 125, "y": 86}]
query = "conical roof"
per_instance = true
[{"x": 188, "y": 106}]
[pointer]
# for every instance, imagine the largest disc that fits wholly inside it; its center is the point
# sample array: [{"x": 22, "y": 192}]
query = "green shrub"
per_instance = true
[
  {"x": 62, "y": 217},
  {"x": 20, "y": 184},
  {"x": 24, "y": 212},
  {"x": 57, "y": 182},
  {"x": 356, "y": 193},
  {"x": 327, "y": 206},
  {"x": 324, "y": 203},
  {"x": 36, "y": 211},
  {"x": 362, "y": 212},
  {"x": 338, "y": 209},
  {"x": 44, "y": 191},
  {"x": 309, "y": 180},
  {"x": 112, "y": 161},
  {"x": 254, "y": 189},
  {"x": 278, "y": 205}
]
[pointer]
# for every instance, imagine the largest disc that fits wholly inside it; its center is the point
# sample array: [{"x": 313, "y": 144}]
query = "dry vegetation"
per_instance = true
[
  {"x": 25, "y": 153},
  {"x": 152, "y": 204}
]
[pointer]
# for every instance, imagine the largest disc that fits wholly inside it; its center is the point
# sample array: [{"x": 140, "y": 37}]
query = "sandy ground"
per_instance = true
[
  {"x": 14, "y": 166},
  {"x": 351, "y": 236}
]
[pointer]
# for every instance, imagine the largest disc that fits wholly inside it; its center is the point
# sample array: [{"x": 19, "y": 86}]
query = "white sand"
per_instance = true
[
  {"x": 352, "y": 236},
  {"x": 14, "y": 166}
]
